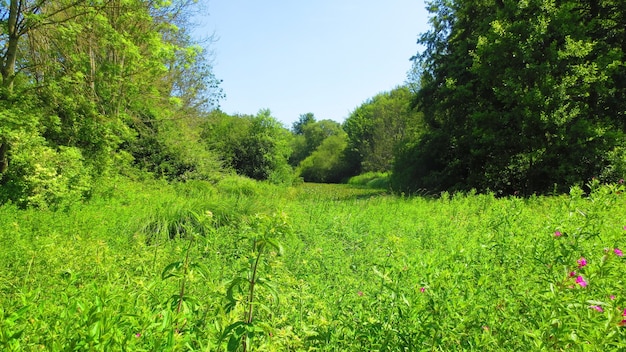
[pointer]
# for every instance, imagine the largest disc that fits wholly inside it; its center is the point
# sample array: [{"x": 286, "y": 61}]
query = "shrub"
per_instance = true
[{"x": 42, "y": 176}]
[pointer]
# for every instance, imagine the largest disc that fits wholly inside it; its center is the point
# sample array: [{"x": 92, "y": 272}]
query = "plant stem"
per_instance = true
[{"x": 252, "y": 282}]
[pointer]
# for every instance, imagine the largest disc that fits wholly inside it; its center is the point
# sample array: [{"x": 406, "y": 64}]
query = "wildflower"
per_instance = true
[
  {"x": 618, "y": 252},
  {"x": 572, "y": 273},
  {"x": 138, "y": 335},
  {"x": 581, "y": 281},
  {"x": 360, "y": 293},
  {"x": 558, "y": 234},
  {"x": 581, "y": 262},
  {"x": 612, "y": 297},
  {"x": 598, "y": 308},
  {"x": 422, "y": 289}
]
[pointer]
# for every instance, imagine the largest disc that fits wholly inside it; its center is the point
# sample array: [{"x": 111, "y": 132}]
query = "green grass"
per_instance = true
[
  {"x": 153, "y": 267},
  {"x": 376, "y": 180}
]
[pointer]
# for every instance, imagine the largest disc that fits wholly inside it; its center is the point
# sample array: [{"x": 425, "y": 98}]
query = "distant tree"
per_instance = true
[
  {"x": 254, "y": 146},
  {"x": 303, "y": 121},
  {"x": 311, "y": 137},
  {"x": 327, "y": 163},
  {"x": 377, "y": 127}
]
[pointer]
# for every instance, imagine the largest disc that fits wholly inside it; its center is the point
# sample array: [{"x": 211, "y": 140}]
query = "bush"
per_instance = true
[
  {"x": 371, "y": 180},
  {"x": 326, "y": 164},
  {"x": 42, "y": 176}
]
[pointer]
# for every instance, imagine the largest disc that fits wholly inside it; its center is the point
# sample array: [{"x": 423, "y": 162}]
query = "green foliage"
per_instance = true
[
  {"x": 310, "y": 136},
  {"x": 264, "y": 234},
  {"x": 517, "y": 96},
  {"x": 86, "y": 86},
  {"x": 303, "y": 121},
  {"x": 327, "y": 163},
  {"x": 377, "y": 180},
  {"x": 39, "y": 175},
  {"x": 174, "y": 150},
  {"x": 333, "y": 267},
  {"x": 254, "y": 146},
  {"x": 378, "y": 126}
]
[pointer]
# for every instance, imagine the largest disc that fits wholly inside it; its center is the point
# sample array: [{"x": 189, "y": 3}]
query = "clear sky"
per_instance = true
[{"x": 320, "y": 56}]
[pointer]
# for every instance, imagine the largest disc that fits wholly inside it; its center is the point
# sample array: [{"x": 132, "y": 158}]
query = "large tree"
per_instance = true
[
  {"x": 88, "y": 78},
  {"x": 518, "y": 96}
]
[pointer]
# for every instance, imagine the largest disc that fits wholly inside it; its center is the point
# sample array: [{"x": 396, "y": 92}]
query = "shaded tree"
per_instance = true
[
  {"x": 254, "y": 146},
  {"x": 303, "y": 121},
  {"x": 514, "y": 96}
]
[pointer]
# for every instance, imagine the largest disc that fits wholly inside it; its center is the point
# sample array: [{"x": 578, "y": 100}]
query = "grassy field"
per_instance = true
[{"x": 248, "y": 266}]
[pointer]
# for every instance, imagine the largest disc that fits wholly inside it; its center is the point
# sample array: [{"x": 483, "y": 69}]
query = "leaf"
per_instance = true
[
  {"x": 235, "y": 330},
  {"x": 170, "y": 270},
  {"x": 201, "y": 269},
  {"x": 233, "y": 284},
  {"x": 276, "y": 245}
]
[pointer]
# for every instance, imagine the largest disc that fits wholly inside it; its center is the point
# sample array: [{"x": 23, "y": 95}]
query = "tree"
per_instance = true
[
  {"x": 312, "y": 135},
  {"x": 93, "y": 80},
  {"x": 376, "y": 128},
  {"x": 254, "y": 146},
  {"x": 514, "y": 96},
  {"x": 303, "y": 121},
  {"x": 327, "y": 162}
]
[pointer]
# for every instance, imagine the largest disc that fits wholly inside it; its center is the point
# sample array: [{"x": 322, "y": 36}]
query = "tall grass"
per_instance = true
[{"x": 242, "y": 265}]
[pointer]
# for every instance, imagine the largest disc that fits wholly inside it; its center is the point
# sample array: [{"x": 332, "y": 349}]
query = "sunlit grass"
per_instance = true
[{"x": 151, "y": 266}]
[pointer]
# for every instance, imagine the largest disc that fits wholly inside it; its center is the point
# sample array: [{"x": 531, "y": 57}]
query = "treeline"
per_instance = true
[
  {"x": 519, "y": 96},
  {"x": 95, "y": 88},
  {"x": 511, "y": 97}
]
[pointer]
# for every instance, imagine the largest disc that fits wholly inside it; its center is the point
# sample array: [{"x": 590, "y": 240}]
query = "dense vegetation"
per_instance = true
[
  {"x": 135, "y": 215},
  {"x": 514, "y": 97},
  {"x": 519, "y": 96},
  {"x": 189, "y": 266},
  {"x": 96, "y": 87}
]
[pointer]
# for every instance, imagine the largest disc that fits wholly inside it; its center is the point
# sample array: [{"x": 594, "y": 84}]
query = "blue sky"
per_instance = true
[{"x": 320, "y": 56}]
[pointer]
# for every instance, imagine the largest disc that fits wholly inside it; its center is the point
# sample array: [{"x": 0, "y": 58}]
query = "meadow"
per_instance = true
[{"x": 247, "y": 266}]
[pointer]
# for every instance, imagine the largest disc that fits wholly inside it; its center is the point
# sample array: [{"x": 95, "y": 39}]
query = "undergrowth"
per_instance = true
[{"x": 249, "y": 266}]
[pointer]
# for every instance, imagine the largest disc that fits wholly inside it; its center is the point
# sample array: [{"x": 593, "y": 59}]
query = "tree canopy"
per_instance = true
[
  {"x": 518, "y": 96},
  {"x": 87, "y": 86}
]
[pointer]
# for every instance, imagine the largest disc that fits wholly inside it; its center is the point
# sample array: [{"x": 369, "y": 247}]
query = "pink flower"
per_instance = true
[
  {"x": 598, "y": 308},
  {"x": 138, "y": 335},
  {"x": 618, "y": 252},
  {"x": 581, "y": 281},
  {"x": 422, "y": 289},
  {"x": 572, "y": 273},
  {"x": 558, "y": 234},
  {"x": 624, "y": 314},
  {"x": 581, "y": 262},
  {"x": 360, "y": 293},
  {"x": 612, "y": 297}
]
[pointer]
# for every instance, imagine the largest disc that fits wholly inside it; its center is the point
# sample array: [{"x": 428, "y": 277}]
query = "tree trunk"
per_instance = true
[
  {"x": 4, "y": 160},
  {"x": 8, "y": 66}
]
